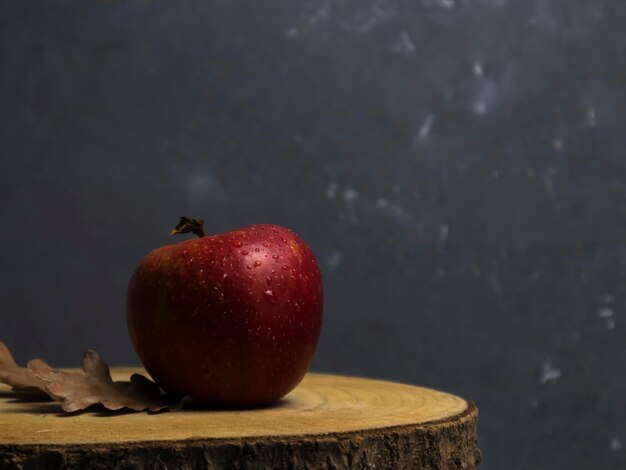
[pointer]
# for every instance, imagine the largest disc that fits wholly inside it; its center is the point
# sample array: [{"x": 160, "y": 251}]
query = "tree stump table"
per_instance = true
[{"x": 328, "y": 421}]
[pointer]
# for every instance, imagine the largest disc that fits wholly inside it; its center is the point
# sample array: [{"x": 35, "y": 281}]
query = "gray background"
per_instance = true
[{"x": 457, "y": 166}]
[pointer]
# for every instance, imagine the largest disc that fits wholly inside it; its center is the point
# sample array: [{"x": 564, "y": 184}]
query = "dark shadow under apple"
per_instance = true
[{"x": 282, "y": 403}]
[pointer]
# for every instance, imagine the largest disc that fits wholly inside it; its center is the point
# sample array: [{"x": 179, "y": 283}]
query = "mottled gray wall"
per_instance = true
[{"x": 458, "y": 167}]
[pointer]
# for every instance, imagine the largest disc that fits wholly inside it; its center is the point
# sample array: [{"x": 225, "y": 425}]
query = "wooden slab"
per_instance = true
[{"x": 333, "y": 418}]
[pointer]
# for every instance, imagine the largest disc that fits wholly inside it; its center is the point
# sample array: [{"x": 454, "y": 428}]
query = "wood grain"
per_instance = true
[{"x": 326, "y": 419}]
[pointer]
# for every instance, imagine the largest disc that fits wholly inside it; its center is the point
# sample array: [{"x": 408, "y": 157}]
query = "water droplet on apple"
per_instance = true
[
  {"x": 236, "y": 243},
  {"x": 285, "y": 268},
  {"x": 257, "y": 249},
  {"x": 268, "y": 279},
  {"x": 224, "y": 276},
  {"x": 269, "y": 295},
  {"x": 244, "y": 252},
  {"x": 257, "y": 263},
  {"x": 249, "y": 266},
  {"x": 275, "y": 257}
]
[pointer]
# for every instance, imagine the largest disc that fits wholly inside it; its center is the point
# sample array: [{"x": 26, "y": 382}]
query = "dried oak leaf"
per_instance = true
[
  {"x": 78, "y": 391},
  {"x": 15, "y": 376}
]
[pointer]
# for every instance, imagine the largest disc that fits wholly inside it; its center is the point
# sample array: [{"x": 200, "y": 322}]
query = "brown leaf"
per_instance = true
[
  {"x": 78, "y": 391},
  {"x": 15, "y": 376}
]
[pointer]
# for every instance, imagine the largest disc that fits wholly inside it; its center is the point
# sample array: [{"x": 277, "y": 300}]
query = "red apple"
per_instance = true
[{"x": 229, "y": 319}]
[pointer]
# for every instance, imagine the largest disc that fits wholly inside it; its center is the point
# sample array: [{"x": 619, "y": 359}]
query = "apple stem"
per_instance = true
[{"x": 187, "y": 225}]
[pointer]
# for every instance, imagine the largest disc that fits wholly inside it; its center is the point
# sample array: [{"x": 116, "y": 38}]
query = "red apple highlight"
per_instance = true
[{"x": 230, "y": 319}]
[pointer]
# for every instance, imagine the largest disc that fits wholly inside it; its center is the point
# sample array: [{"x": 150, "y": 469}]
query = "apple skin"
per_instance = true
[{"x": 230, "y": 319}]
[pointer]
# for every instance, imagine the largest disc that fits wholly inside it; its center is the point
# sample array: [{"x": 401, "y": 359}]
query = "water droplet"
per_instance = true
[
  {"x": 285, "y": 268},
  {"x": 275, "y": 256},
  {"x": 266, "y": 245},
  {"x": 249, "y": 266},
  {"x": 257, "y": 250},
  {"x": 257, "y": 263},
  {"x": 268, "y": 279},
  {"x": 269, "y": 295},
  {"x": 224, "y": 276},
  {"x": 236, "y": 243},
  {"x": 244, "y": 252}
]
